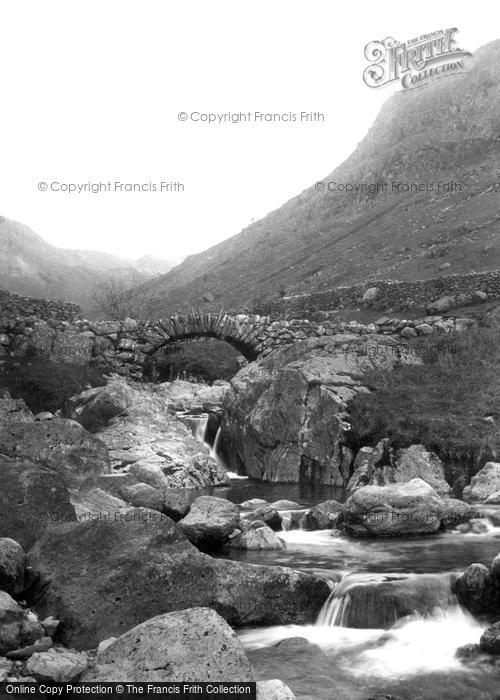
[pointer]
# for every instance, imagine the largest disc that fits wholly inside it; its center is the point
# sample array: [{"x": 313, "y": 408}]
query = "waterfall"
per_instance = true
[
  {"x": 369, "y": 601},
  {"x": 214, "y": 450},
  {"x": 198, "y": 426}
]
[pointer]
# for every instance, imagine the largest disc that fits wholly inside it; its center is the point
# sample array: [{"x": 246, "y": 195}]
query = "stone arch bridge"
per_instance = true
[{"x": 128, "y": 346}]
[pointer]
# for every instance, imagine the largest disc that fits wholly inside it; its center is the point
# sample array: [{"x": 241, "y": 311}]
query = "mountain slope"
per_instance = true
[
  {"x": 32, "y": 267},
  {"x": 447, "y": 131}
]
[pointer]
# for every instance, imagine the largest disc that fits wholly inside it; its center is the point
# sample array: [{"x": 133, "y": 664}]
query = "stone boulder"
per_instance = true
[
  {"x": 31, "y": 499},
  {"x": 284, "y": 505},
  {"x": 490, "y": 640},
  {"x": 441, "y": 305},
  {"x": 285, "y": 415},
  {"x": 188, "y": 645},
  {"x": 102, "y": 577},
  {"x": 322, "y": 516},
  {"x": 143, "y": 496},
  {"x": 454, "y": 512},
  {"x": 269, "y": 516},
  {"x": 14, "y": 411},
  {"x": 414, "y": 462},
  {"x": 380, "y": 466},
  {"x": 494, "y": 499},
  {"x": 58, "y": 665},
  {"x": 259, "y": 538},
  {"x": 210, "y": 521},
  {"x": 485, "y": 483},
  {"x": 399, "y": 509},
  {"x": 478, "y": 589},
  {"x": 94, "y": 408},
  {"x": 12, "y": 562},
  {"x": 17, "y": 627},
  {"x": 60, "y": 445},
  {"x": 253, "y": 503}
]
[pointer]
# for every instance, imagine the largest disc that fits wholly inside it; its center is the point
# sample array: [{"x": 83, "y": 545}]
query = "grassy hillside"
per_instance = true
[{"x": 447, "y": 132}]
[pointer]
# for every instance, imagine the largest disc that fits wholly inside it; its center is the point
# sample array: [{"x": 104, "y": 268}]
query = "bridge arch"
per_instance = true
[{"x": 239, "y": 331}]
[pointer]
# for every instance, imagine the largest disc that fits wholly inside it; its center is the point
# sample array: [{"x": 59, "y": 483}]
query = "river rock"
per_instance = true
[
  {"x": 454, "y": 512},
  {"x": 485, "y": 483},
  {"x": 322, "y": 516},
  {"x": 177, "y": 502},
  {"x": 17, "y": 626},
  {"x": 411, "y": 463},
  {"x": 143, "y": 496},
  {"x": 399, "y": 509},
  {"x": 102, "y": 577},
  {"x": 285, "y": 505},
  {"x": 472, "y": 588},
  {"x": 61, "y": 445},
  {"x": 31, "y": 499},
  {"x": 94, "y": 408},
  {"x": 259, "y": 538},
  {"x": 285, "y": 416},
  {"x": 265, "y": 514},
  {"x": 274, "y": 690},
  {"x": 40, "y": 645},
  {"x": 253, "y": 503},
  {"x": 12, "y": 561},
  {"x": 494, "y": 499},
  {"x": 58, "y": 665},
  {"x": 210, "y": 521},
  {"x": 490, "y": 640},
  {"x": 188, "y": 645}
]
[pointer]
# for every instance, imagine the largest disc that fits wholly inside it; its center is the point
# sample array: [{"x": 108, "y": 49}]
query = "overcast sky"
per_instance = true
[{"x": 91, "y": 91}]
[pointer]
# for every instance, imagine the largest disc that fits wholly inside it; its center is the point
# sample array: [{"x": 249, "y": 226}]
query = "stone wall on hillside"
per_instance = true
[
  {"x": 14, "y": 305},
  {"x": 392, "y": 295}
]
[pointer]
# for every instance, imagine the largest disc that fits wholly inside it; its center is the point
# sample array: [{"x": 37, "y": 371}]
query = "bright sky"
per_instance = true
[{"x": 91, "y": 92}]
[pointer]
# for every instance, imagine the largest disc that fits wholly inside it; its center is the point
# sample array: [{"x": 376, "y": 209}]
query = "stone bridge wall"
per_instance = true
[
  {"x": 393, "y": 295},
  {"x": 128, "y": 346}
]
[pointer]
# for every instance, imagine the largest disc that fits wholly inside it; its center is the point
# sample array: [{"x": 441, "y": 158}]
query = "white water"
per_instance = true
[{"x": 414, "y": 645}]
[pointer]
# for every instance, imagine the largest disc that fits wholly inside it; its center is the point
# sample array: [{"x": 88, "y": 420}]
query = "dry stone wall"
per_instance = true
[
  {"x": 393, "y": 295},
  {"x": 13, "y": 305}
]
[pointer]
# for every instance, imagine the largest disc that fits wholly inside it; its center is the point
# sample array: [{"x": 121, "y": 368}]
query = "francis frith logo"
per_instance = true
[{"x": 414, "y": 62}]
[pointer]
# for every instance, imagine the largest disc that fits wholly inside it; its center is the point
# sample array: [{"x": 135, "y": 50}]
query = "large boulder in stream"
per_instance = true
[
  {"x": 285, "y": 415},
  {"x": 381, "y": 466},
  {"x": 144, "y": 438},
  {"x": 210, "y": 521},
  {"x": 101, "y": 578},
  {"x": 484, "y": 484},
  {"x": 478, "y": 589},
  {"x": 400, "y": 509},
  {"x": 188, "y": 645},
  {"x": 490, "y": 640}
]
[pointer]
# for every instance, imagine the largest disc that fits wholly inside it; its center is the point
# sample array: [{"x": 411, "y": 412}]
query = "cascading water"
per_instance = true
[{"x": 198, "y": 425}]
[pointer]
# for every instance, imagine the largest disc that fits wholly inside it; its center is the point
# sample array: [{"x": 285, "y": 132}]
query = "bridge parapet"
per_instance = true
[{"x": 127, "y": 346}]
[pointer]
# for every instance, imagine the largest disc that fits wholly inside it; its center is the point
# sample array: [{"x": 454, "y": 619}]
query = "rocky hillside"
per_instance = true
[
  {"x": 30, "y": 266},
  {"x": 446, "y": 132}
]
